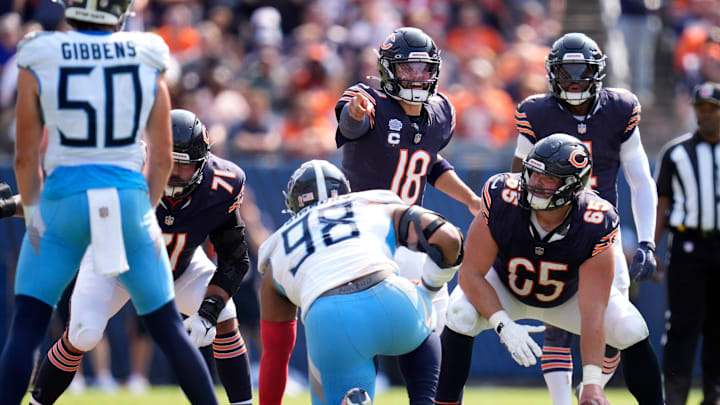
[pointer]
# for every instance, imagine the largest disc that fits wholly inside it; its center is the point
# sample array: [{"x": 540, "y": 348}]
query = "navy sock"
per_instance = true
[
  {"x": 166, "y": 329},
  {"x": 455, "y": 368},
  {"x": 642, "y": 373},
  {"x": 421, "y": 384},
  {"x": 233, "y": 367},
  {"x": 56, "y": 372},
  {"x": 29, "y": 322}
]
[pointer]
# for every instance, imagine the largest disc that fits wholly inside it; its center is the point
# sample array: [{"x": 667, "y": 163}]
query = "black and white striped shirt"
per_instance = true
[{"x": 689, "y": 173}]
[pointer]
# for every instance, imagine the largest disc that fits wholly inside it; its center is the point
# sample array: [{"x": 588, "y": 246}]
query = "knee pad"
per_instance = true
[
  {"x": 556, "y": 337},
  {"x": 628, "y": 331},
  {"x": 84, "y": 338},
  {"x": 462, "y": 317}
]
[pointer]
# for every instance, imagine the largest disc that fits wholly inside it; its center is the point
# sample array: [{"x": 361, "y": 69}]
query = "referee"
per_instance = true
[{"x": 688, "y": 184}]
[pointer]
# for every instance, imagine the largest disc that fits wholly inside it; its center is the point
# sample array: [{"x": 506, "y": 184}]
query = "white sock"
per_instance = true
[{"x": 559, "y": 384}]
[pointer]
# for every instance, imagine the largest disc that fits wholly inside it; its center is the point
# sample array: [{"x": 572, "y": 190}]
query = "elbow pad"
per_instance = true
[{"x": 412, "y": 216}]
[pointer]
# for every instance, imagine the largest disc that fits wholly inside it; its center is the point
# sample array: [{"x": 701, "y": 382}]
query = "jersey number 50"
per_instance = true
[{"x": 109, "y": 77}]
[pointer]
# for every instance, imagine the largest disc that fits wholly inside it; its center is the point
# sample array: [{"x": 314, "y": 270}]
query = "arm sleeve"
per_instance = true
[
  {"x": 642, "y": 186},
  {"x": 441, "y": 166},
  {"x": 233, "y": 261},
  {"x": 278, "y": 340},
  {"x": 351, "y": 128},
  {"x": 523, "y": 147}
]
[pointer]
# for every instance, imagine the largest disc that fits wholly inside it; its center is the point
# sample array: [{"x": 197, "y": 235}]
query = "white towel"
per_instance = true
[{"x": 106, "y": 232}]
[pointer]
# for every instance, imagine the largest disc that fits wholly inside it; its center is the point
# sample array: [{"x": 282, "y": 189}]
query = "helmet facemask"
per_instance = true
[
  {"x": 176, "y": 188},
  {"x": 411, "y": 80},
  {"x": 583, "y": 74},
  {"x": 541, "y": 199}
]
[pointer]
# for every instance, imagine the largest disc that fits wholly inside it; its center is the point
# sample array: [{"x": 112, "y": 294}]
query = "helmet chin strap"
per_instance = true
[
  {"x": 172, "y": 191},
  {"x": 538, "y": 203},
  {"x": 413, "y": 96}
]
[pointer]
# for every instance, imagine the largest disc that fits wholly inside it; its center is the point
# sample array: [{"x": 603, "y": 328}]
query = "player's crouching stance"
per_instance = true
[
  {"x": 543, "y": 250},
  {"x": 334, "y": 260}
]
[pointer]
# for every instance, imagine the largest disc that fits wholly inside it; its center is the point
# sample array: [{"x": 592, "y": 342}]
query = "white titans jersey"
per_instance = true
[
  {"x": 329, "y": 244},
  {"x": 96, "y": 93}
]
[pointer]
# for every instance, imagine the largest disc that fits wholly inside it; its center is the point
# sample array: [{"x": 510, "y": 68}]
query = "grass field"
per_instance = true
[{"x": 473, "y": 396}]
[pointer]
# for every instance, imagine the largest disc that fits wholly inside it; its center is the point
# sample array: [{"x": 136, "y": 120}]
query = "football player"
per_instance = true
[
  {"x": 543, "y": 249},
  {"x": 606, "y": 120},
  {"x": 95, "y": 90},
  {"x": 201, "y": 200},
  {"x": 334, "y": 260}
]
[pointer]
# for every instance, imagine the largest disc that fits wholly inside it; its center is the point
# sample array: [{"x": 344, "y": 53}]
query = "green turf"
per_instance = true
[{"x": 473, "y": 396}]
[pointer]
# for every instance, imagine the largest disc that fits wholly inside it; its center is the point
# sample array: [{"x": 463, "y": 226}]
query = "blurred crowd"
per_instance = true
[{"x": 265, "y": 75}]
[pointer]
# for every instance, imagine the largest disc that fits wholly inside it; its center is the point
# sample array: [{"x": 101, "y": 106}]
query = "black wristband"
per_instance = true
[
  {"x": 8, "y": 207},
  {"x": 211, "y": 307},
  {"x": 648, "y": 244}
]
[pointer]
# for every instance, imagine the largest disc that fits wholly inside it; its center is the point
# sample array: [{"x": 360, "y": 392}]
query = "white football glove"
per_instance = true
[
  {"x": 516, "y": 338},
  {"x": 202, "y": 331}
]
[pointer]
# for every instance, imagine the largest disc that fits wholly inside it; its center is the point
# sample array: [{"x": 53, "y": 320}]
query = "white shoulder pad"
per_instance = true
[
  {"x": 31, "y": 48},
  {"x": 265, "y": 252},
  {"x": 153, "y": 50}
]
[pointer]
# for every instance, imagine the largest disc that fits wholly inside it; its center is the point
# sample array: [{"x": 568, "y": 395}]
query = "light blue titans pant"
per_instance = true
[
  {"x": 51, "y": 252},
  {"x": 345, "y": 332}
]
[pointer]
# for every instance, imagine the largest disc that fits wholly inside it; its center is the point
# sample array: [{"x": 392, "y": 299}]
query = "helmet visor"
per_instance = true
[
  {"x": 580, "y": 74},
  {"x": 416, "y": 74}
]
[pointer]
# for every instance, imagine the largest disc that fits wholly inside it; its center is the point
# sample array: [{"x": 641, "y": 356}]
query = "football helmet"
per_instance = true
[
  {"x": 191, "y": 145},
  {"x": 409, "y": 65},
  {"x": 575, "y": 58},
  {"x": 561, "y": 156},
  {"x": 356, "y": 396},
  {"x": 315, "y": 181},
  {"x": 104, "y": 12}
]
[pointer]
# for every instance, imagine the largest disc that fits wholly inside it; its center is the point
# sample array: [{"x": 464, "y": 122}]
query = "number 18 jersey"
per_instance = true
[
  {"x": 330, "y": 244},
  {"x": 96, "y": 92}
]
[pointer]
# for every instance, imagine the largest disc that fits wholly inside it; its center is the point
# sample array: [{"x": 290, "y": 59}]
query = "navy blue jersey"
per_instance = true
[
  {"x": 544, "y": 274},
  {"x": 211, "y": 207},
  {"x": 396, "y": 154},
  {"x": 610, "y": 123}
]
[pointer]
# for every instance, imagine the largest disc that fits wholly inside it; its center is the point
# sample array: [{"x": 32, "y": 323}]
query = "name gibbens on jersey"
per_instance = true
[
  {"x": 396, "y": 154},
  {"x": 544, "y": 274},
  {"x": 611, "y": 122},
  {"x": 96, "y": 92},
  {"x": 330, "y": 244}
]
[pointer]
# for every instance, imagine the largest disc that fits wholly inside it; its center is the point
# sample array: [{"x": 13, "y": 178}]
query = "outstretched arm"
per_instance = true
[{"x": 451, "y": 184}]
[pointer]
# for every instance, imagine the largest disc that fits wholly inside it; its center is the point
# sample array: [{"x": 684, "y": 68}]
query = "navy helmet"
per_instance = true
[
  {"x": 314, "y": 182},
  {"x": 575, "y": 57},
  {"x": 409, "y": 65},
  {"x": 103, "y": 12},
  {"x": 191, "y": 145},
  {"x": 562, "y": 156}
]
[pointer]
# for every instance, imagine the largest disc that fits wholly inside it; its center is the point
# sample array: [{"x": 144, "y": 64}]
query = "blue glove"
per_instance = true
[{"x": 643, "y": 264}]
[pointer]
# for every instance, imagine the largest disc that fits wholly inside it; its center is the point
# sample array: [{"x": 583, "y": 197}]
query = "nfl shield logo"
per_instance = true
[
  {"x": 418, "y": 138},
  {"x": 539, "y": 250},
  {"x": 582, "y": 128},
  {"x": 104, "y": 212},
  {"x": 169, "y": 220}
]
